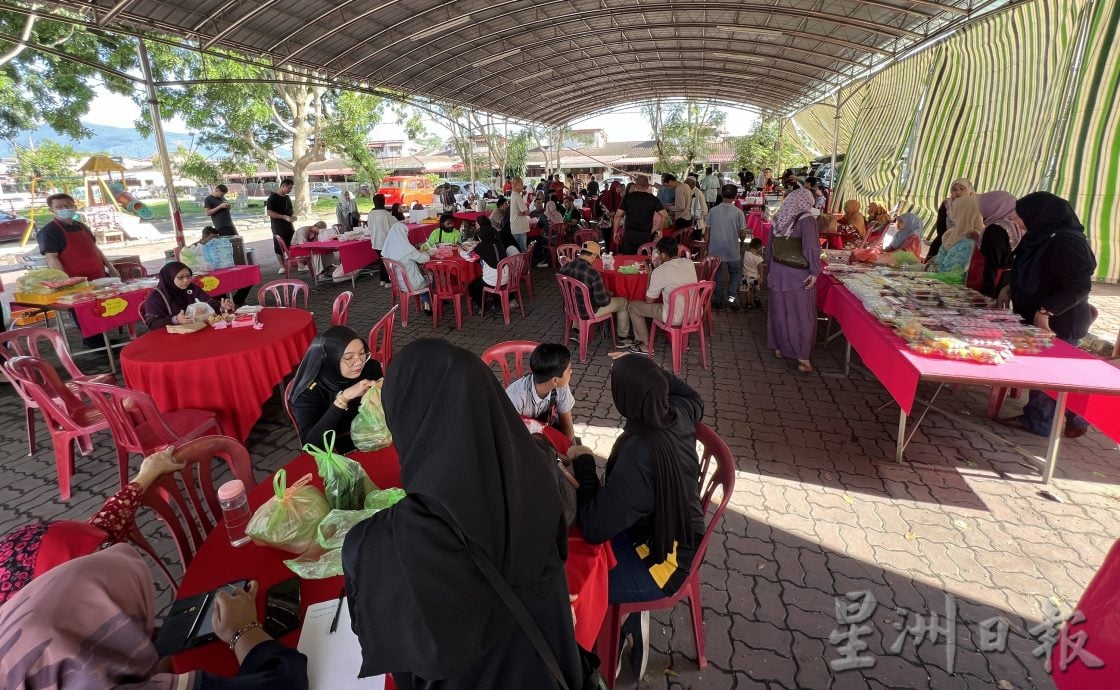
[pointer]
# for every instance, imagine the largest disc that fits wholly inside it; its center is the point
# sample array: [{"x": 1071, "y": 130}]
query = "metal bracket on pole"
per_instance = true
[{"x": 161, "y": 143}]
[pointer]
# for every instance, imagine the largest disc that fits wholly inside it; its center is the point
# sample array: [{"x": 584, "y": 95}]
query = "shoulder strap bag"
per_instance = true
[{"x": 787, "y": 250}]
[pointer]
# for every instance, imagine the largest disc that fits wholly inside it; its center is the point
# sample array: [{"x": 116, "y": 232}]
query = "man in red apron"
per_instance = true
[{"x": 69, "y": 246}]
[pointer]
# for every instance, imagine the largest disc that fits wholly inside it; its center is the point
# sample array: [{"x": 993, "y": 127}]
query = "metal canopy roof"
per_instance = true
[{"x": 555, "y": 60}]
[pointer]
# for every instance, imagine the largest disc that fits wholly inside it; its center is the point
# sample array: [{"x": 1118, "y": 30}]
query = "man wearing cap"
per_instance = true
[
  {"x": 217, "y": 208},
  {"x": 643, "y": 213},
  {"x": 582, "y": 269}
]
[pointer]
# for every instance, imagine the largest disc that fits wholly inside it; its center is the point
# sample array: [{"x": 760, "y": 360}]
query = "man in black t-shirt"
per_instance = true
[
  {"x": 217, "y": 208},
  {"x": 279, "y": 210},
  {"x": 643, "y": 213}
]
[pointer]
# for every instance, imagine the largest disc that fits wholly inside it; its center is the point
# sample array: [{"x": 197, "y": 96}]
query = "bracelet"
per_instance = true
[
  {"x": 237, "y": 635},
  {"x": 340, "y": 402}
]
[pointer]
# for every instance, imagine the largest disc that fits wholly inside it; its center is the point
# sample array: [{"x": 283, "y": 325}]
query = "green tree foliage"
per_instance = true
[
  {"x": 517, "y": 154},
  {"x": 51, "y": 162},
  {"x": 255, "y": 117},
  {"x": 347, "y": 132},
  {"x": 194, "y": 165},
  {"x": 759, "y": 149},
  {"x": 683, "y": 131},
  {"x": 38, "y": 87}
]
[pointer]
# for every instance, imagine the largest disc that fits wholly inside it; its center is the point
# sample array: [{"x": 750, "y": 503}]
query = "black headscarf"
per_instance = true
[
  {"x": 641, "y": 393},
  {"x": 418, "y": 601},
  {"x": 322, "y": 363},
  {"x": 489, "y": 244},
  {"x": 505, "y": 236},
  {"x": 1047, "y": 217},
  {"x": 176, "y": 298}
]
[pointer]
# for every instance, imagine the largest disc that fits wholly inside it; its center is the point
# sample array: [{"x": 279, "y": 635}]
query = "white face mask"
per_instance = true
[{"x": 66, "y": 213}]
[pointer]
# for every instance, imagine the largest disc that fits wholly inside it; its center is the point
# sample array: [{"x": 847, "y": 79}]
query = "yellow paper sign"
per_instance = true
[
  {"x": 113, "y": 306},
  {"x": 209, "y": 283}
]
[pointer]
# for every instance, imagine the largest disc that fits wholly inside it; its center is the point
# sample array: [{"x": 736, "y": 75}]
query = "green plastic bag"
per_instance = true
[
  {"x": 317, "y": 564},
  {"x": 369, "y": 430},
  {"x": 290, "y": 519},
  {"x": 379, "y": 499},
  {"x": 344, "y": 481}
]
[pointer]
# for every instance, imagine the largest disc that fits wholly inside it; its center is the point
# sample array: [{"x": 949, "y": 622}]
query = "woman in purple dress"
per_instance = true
[{"x": 791, "y": 325}]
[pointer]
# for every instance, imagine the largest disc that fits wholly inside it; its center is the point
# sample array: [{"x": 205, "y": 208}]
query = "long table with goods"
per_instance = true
[
  {"x": 103, "y": 309},
  {"x": 353, "y": 254},
  {"x": 985, "y": 347}
]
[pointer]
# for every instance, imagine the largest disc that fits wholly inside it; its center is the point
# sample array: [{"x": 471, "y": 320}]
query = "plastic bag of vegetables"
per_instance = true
[{"x": 345, "y": 483}]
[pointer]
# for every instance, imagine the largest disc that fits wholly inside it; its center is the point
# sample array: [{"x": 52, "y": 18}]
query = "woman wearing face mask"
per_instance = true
[
  {"x": 168, "y": 303},
  {"x": 329, "y": 385}
]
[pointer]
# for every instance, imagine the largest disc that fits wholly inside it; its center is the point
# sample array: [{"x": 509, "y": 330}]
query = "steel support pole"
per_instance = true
[
  {"x": 161, "y": 143},
  {"x": 835, "y": 147}
]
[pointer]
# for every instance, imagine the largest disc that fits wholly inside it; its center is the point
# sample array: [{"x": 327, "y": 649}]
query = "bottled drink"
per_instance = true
[{"x": 235, "y": 510}]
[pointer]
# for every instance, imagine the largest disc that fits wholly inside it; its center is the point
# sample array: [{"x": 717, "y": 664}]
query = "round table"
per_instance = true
[
  {"x": 217, "y": 562},
  {"x": 230, "y": 372},
  {"x": 630, "y": 286}
]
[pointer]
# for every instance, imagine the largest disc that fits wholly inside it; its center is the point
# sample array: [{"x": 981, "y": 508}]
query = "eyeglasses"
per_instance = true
[
  {"x": 356, "y": 357},
  {"x": 186, "y": 277}
]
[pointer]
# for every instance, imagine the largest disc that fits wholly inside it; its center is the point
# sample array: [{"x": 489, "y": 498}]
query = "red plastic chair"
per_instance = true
[
  {"x": 709, "y": 269},
  {"x": 716, "y": 459},
  {"x": 509, "y": 283},
  {"x": 139, "y": 427},
  {"x": 286, "y": 293},
  {"x": 446, "y": 283},
  {"x": 68, "y": 417},
  {"x": 577, "y": 301},
  {"x": 527, "y": 274},
  {"x": 697, "y": 299},
  {"x": 501, "y": 353},
  {"x": 187, "y": 501},
  {"x": 587, "y": 235},
  {"x": 130, "y": 270},
  {"x": 647, "y": 249},
  {"x": 556, "y": 237},
  {"x": 341, "y": 310},
  {"x": 381, "y": 338},
  {"x": 288, "y": 411},
  {"x": 28, "y": 342},
  {"x": 402, "y": 289},
  {"x": 566, "y": 253},
  {"x": 684, "y": 238},
  {"x": 288, "y": 261}
]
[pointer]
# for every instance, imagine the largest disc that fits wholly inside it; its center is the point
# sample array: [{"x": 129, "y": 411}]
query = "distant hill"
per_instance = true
[{"x": 114, "y": 141}]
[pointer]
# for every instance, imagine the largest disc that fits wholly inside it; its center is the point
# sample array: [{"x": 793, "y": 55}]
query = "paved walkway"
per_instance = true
[{"x": 820, "y": 509}]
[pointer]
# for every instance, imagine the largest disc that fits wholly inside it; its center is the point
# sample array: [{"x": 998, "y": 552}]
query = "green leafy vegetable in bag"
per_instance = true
[
  {"x": 344, "y": 481},
  {"x": 290, "y": 519},
  {"x": 369, "y": 430}
]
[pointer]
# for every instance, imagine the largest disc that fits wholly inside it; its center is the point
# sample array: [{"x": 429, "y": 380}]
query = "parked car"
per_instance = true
[
  {"x": 325, "y": 191},
  {"x": 621, "y": 179},
  {"x": 463, "y": 189},
  {"x": 406, "y": 190},
  {"x": 12, "y": 226},
  {"x": 141, "y": 193}
]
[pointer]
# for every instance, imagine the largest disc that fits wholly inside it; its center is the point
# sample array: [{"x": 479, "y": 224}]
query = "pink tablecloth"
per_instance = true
[
  {"x": 1093, "y": 382},
  {"x": 418, "y": 232},
  {"x": 353, "y": 255},
  {"x": 468, "y": 217},
  {"x": 630, "y": 286}
]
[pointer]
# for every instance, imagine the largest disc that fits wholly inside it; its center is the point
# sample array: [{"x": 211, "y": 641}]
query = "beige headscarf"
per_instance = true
[
  {"x": 853, "y": 217},
  {"x": 965, "y": 214}
]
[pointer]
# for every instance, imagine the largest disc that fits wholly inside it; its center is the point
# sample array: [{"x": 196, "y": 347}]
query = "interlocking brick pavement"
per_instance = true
[{"x": 820, "y": 508}]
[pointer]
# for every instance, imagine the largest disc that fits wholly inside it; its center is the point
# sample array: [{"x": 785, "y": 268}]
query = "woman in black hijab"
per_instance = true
[
  {"x": 329, "y": 384},
  {"x": 649, "y": 507},
  {"x": 176, "y": 291},
  {"x": 490, "y": 251},
  {"x": 1051, "y": 276},
  {"x": 420, "y": 604}
]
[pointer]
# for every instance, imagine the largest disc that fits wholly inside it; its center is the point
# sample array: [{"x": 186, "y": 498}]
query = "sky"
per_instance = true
[{"x": 626, "y": 124}]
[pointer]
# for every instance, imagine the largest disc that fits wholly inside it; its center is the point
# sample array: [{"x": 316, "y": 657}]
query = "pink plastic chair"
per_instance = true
[
  {"x": 527, "y": 274},
  {"x": 68, "y": 417},
  {"x": 402, "y": 289},
  {"x": 288, "y": 411},
  {"x": 381, "y": 338},
  {"x": 341, "y": 310},
  {"x": 716, "y": 459},
  {"x": 501, "y": 353},
  {"x": 587, "y": 235},
  {"x": 187, "y": 501},
  {"x": 684, "y": 252},
  {"x": 566, "y": 253},
  {"x": 556, "y": 237},
  {"x": 285, "y": 293},
  {"x": 509, "y": 271},
  {"x": 648, "y": 249},
  {"x": 446, "y": 283},
  {"x": 139, "y": 427},
  {"x": 696, "y": 298},
  {"x": 288, "y": 260},
  {"x": 577, "y": 301},
  {"x": 709, "y": 269},
  {"x": 28, "y": 342}
]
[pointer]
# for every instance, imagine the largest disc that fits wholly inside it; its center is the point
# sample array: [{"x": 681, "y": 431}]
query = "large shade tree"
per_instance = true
[{"x": 684, "y": 132}]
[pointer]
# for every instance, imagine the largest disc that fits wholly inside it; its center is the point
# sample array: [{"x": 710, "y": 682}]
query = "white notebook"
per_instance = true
[{"x": 333, "y": 659}]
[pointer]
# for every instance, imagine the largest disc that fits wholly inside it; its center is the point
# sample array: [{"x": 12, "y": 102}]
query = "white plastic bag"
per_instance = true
[{"x": 199, "y": 310}]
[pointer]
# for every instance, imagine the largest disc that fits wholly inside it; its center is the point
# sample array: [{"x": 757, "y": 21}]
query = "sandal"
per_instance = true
[{"x": 805, "y": 368}]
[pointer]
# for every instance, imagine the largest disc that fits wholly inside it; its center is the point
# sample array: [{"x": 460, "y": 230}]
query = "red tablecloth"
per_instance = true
[
  {"x": 353, "y": 255},
  {"x": 632, "y": 287},
  {"x": 230, "y": 372},
  {"x": 468, "y": 217},
  {"x": 418, "y": 232},
  {"x": 1095, "y": 383},
  {"x": 217, "y": 563},
  {"x": 99, "y": 315}
]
